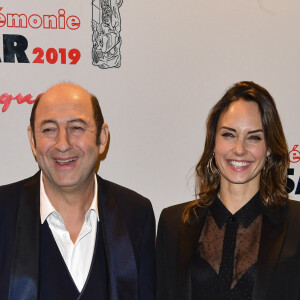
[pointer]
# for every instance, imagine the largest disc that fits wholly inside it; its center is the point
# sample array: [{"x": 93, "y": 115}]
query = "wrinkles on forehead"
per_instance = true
[{"x": 65, "y": 102}]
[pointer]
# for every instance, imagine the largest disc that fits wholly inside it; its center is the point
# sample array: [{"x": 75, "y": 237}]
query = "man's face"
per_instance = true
[{"x": 65, "y": 137}]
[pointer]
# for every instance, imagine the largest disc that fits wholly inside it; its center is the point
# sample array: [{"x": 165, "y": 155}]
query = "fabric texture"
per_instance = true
[{"x": 223, "y": 266}]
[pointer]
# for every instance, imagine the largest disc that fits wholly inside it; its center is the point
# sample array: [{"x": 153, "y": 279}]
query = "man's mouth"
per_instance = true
[{"x": 63, "y": 162}]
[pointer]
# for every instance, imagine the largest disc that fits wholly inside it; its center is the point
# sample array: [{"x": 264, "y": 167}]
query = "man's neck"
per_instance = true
[{"x": 71, "y": 204}]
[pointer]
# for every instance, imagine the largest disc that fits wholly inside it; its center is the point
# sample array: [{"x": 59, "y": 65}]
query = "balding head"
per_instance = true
[{"x": 72, "y": 92}]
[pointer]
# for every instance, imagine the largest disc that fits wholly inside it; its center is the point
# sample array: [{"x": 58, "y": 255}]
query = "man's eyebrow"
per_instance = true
[
  {"x": 78, "y": 121},
  {"x": 249, "y": 132},
  {"x": 44, "y": 122}
]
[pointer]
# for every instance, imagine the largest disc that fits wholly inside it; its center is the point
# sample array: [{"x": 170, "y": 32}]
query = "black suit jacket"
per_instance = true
[
  {"x": 128, "y": 228},
  {"x": 278, "y": 266}
]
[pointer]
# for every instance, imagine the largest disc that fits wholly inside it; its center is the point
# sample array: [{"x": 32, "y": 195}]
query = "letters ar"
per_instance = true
[{"x": 14, "y": 47}]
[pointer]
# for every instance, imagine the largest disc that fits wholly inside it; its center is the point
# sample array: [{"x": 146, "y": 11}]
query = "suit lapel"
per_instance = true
[
  {"x": 187, "y": 243},
  {"x": 271, "y": 242},
  {"x": 25, "y": 266},
  {"x": 119, "y": 253}
]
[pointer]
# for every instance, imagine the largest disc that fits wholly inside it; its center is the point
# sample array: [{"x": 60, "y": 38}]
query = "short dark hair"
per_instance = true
[
  {"x": 273, "y": 178},
  {"x": 98, "y": 117}
]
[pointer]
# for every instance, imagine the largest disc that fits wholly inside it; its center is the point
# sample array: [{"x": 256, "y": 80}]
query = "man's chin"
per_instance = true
[{"x": 61, "y": 182}]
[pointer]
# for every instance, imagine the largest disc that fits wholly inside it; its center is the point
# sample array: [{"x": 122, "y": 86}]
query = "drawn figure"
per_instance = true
[
  {"x": 294, "y": 154},
  {"x": 106, "y": 25}
]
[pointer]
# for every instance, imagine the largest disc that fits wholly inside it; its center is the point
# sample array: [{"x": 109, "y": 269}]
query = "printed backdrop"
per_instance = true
[{"x": 157, "y": 68}]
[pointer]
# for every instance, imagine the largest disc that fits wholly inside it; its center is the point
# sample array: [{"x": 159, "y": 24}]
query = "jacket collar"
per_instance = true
[
  {"x": 187, "y": 242},
  {"x": 119, "y": 253},
  {"x": 273, "y": 232},
  {"x": 24, "y": 281}
]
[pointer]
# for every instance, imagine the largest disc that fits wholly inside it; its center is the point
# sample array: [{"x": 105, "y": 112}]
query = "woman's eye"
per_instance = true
[
  {"x": 227, "y": 134},
  {"x": 255, "y": 138}
]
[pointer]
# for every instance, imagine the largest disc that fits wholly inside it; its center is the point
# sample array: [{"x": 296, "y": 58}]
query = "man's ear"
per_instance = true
[
  {"x": 103, "y": 138},
  {"x": 31, "y": 140}
]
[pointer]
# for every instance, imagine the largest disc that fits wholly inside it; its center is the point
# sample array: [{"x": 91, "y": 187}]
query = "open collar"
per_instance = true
[{"x": 46, "y": 207}]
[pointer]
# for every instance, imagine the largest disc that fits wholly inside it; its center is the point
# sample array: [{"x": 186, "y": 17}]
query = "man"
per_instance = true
[{"x": 66, "y": 233}]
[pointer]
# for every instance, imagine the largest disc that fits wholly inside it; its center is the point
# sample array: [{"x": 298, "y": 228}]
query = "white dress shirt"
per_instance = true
[{"x": 78, "y": 256}]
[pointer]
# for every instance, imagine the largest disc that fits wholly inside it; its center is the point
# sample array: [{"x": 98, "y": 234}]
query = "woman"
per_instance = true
[{"x": 241, "y": 238}]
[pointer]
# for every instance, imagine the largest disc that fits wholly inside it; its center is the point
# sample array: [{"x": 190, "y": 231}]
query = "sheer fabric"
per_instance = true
[{"x": 224, "y": 263}]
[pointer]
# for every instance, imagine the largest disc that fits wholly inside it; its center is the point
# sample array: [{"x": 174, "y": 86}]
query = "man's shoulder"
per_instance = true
[
  {"x": 124, "y": 194},
  {"x": 10, "y": 197},
  {"x": 10, "y": 193},
  {"x": 18, "y": 184},
  {"x": 136, "y": 210}
]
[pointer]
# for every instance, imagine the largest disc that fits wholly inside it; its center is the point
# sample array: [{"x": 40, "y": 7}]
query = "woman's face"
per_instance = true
[{"x": 240, "y": 147}]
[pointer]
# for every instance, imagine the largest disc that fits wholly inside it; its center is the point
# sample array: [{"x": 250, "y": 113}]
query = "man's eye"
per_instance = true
[
  {"x": 48, "y": 130},
  {"x": 77, "y": 128}
]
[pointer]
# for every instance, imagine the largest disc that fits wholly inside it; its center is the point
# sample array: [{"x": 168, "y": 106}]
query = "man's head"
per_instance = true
[
  {"x": 66, "y": 135},
  {"x": 98, "y": 117}
]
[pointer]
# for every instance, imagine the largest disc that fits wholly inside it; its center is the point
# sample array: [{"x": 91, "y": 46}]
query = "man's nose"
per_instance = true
[{"x": 62, "y": 141}]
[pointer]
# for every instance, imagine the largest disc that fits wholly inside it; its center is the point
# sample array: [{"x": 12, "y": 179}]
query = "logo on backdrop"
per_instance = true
[
  {"x": 106, "y": 25},
  {"x": 5, "y": 100},
  {"x": 106, "y": 38},
  {"x": 15, "y": 45},
  {"x": 293, "y": 180},
  {"x": 294, "y": 154}
]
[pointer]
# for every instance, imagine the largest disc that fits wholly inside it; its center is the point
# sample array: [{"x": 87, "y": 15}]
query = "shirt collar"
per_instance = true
[
  {"x": 46, "y": 208},
  {"x": 245, "y": 215}
]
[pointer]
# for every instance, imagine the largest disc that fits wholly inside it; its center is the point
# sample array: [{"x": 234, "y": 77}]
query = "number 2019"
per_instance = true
[{"x": 52, "y": 56}]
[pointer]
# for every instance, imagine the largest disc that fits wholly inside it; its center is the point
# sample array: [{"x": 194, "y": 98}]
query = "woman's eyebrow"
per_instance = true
[
  {"x": 249, "y": 132},
  {"x": 254, "y": 131},
  {"x": 228, "y": 128}
]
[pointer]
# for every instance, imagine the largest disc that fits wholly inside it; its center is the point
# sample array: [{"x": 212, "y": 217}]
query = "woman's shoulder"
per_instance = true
[
  {"x": 175, "y": 210},
  {"x": 174, "y": 214},
  {"x": 294, "y": 208},
  {"x": 294, "y": 203}
]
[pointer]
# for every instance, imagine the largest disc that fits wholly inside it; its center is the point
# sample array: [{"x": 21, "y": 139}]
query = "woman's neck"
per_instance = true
[{"x": 235, "y": 196}]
